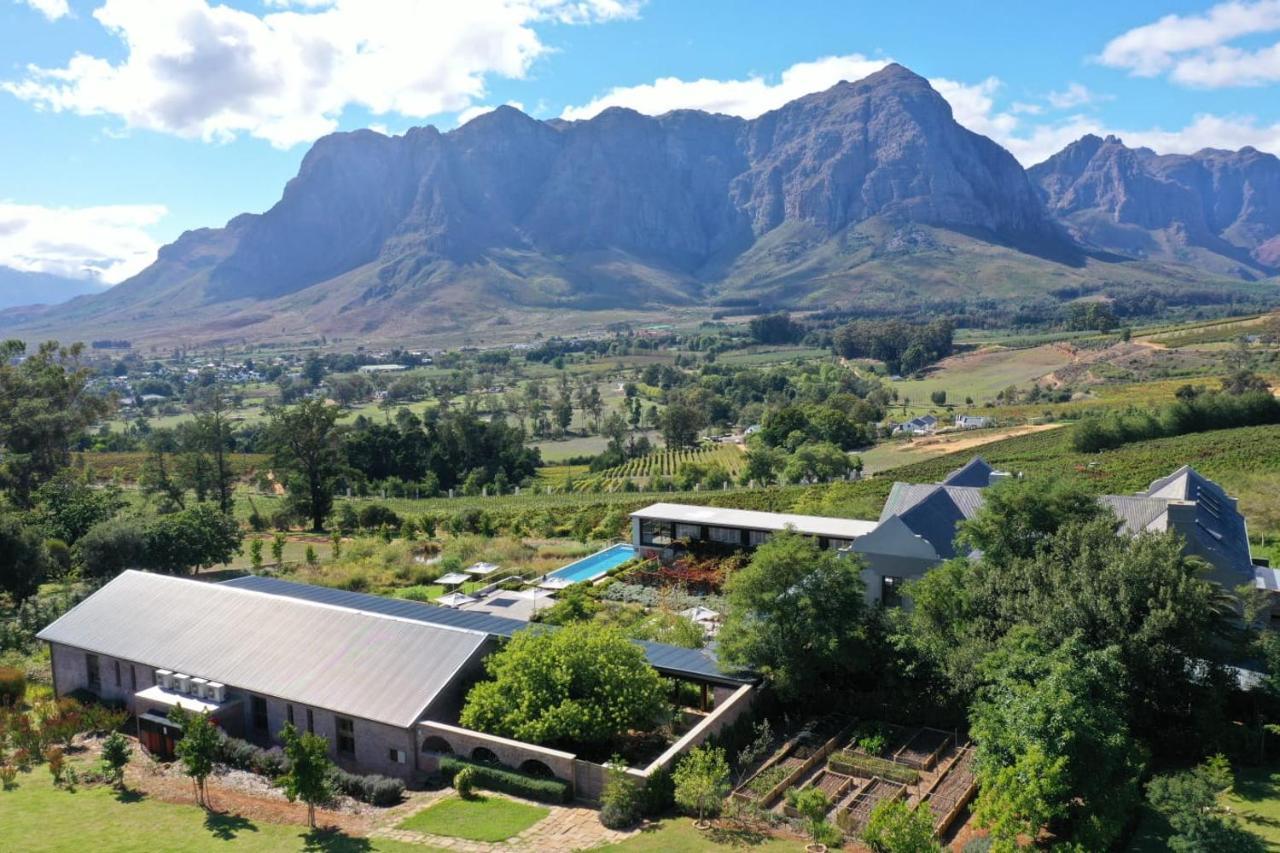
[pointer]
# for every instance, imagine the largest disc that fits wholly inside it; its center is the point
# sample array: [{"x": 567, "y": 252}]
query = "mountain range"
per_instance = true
[
  {"x": 866, "y": 196},
  {"x": 23, "y": 288}
]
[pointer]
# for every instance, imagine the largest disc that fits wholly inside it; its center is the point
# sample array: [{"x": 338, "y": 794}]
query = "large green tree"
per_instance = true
[
  {"x": 582, "y": 684},
  {"x": 22, "y": 557},
  {"x": 796, "y": 615},
  {"x": 1053, "y": 744},
  {"x": 304, "y": 440},
  {"x": 1083, "y": 580},
  {"x": 45, "y": 408}
]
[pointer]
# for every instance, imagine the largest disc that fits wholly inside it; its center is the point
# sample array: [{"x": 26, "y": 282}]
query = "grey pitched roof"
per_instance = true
[
  {"x": 1136, "y": 512},
  {"x": 934, "y": 520},
  {"x": 933, "y": 512},
  {"x": 1219, "y": 534},
  {"x": 670, "y": 660},
  {"x": 341, "y": 659},
  {"x": 975, "y": 472}
]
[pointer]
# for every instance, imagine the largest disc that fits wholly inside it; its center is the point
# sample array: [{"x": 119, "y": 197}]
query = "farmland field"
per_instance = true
[{"x": 983, "y": 374}]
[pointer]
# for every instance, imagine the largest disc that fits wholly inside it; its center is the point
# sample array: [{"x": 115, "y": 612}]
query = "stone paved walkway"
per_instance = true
[{"x": 567, "y": 828}]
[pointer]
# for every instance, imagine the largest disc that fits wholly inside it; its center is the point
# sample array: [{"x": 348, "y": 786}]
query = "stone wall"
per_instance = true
[{"x": 464, "y": 743}]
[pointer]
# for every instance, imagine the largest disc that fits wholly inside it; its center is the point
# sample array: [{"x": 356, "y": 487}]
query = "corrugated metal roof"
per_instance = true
[
  {"x": 812, "y": 525},
  {"x": 1136, "y": 513},
  {"x": 338, "y": 658},
  {"x": 670, "y": 660}
]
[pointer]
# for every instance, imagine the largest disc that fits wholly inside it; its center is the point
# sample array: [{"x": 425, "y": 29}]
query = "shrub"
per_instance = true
[
  {"x": 620, "y": 801},
  {"x": 243, "y": 755},
  {"x": 8, "y": 775},
  {"x": 659, "y": 793},
  {"x": 13, "y": 685},
  {"x": 508, "y": 781},
  {"x": 57, "y": 763},
  {"x": 372, "y": 789},
  {"x": 465, "y": 782},
  {"x": 374, "y": 516}
]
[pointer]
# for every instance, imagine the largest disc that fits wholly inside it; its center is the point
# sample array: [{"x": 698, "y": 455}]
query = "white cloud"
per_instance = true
[
  {"x": 107, "y": 243},
  {"x": 213, "y": 72},
  {"x": 1196, "y": 50},
  {"x": 748, "y": 98},
  {"x": 51, "y": 9},
  {"x": 1075, "y": 95},
  {"x": 480, "y": 109}
]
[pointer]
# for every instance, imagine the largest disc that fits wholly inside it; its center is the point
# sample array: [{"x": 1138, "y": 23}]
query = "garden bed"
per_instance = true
[
  {"x": 922, "y": 750},
  {"x": 853, "y": 816}
]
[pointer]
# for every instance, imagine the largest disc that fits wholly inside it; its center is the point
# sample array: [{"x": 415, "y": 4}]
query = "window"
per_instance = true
[
  {"x": 346, "y": 735},
  {"x": 891, "y": 592},
  {"x": 655, "y": 532},
  {"x": 133, "y": 678},
  {"x": 688, "y": 531},
  {"x": 91, "y": 668},
  {"x": 839, "y": 544},
  {"x": 311, "y": 721},
  {"x": 288, "y": 713},
  {"x": 725, "y": 535},
  {"x": 119, "y": 683},
  {"x": 395, "y": 756},
  {"x": 757, "y": 538},
  {"x": 258, "y": 707}
]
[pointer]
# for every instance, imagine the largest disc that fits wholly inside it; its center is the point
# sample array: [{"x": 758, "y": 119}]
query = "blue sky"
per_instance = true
[{"x": 128, "y": 121}]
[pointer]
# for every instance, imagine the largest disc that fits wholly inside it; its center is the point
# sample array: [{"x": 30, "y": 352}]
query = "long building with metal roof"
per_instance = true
[
  {"x": 694, "y": 664},
  {"x": 255, "y": 653},
  {"x": 350, "y": 661}
]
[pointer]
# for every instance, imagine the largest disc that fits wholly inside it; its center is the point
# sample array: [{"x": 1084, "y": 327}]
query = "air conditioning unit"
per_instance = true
[
  {"x": 181, "y": 682},
  {"x": 164, "y": 678},
  {"x": 215, "y": 692},
  {"x": 198, "y": 687}
]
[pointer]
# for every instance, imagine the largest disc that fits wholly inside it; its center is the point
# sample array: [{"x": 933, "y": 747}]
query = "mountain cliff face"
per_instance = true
[
  {"x": 1217, "y": 209},
  {"x": 867, "y": 191}
]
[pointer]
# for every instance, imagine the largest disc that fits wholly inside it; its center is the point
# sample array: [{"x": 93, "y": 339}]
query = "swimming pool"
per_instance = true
[{"x": 595, "y": 566}]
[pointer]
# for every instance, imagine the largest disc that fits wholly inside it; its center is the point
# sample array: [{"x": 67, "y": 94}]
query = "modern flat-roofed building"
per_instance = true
[
  {"x": 918, "y": 526},
  {"x": 656, "y": 527}
]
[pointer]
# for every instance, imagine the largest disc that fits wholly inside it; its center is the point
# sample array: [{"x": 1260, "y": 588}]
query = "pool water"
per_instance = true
[{"x": 595, "y": 566}]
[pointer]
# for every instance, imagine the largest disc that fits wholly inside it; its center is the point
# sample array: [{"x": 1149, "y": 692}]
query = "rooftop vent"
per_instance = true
[
  {"x": 181, "y": 682},
  {"x": 164, "y": 678}
]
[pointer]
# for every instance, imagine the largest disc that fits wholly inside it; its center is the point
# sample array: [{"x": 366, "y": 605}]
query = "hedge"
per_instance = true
[
  {"x": 372, "y": 789},
  {"x": 853, "y": 764},
  {"x": 508, "y": 781}
]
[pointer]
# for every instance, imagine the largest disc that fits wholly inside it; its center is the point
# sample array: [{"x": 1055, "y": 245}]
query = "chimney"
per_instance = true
[{"x": 1180, "y": 515}]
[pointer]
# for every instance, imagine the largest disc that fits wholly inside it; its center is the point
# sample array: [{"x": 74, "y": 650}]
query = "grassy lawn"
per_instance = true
[
  {"x": 481, "y": 819},
  {"x": 35, "y": 817},
  {"x": 677, "y": 835},
  {"x": 1255, "y": 800}
]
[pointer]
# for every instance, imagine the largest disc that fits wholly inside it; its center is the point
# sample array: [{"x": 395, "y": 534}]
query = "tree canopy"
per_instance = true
[
  {"x": 796, "y": 616},
  {"x": 581, "y": 684}
]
